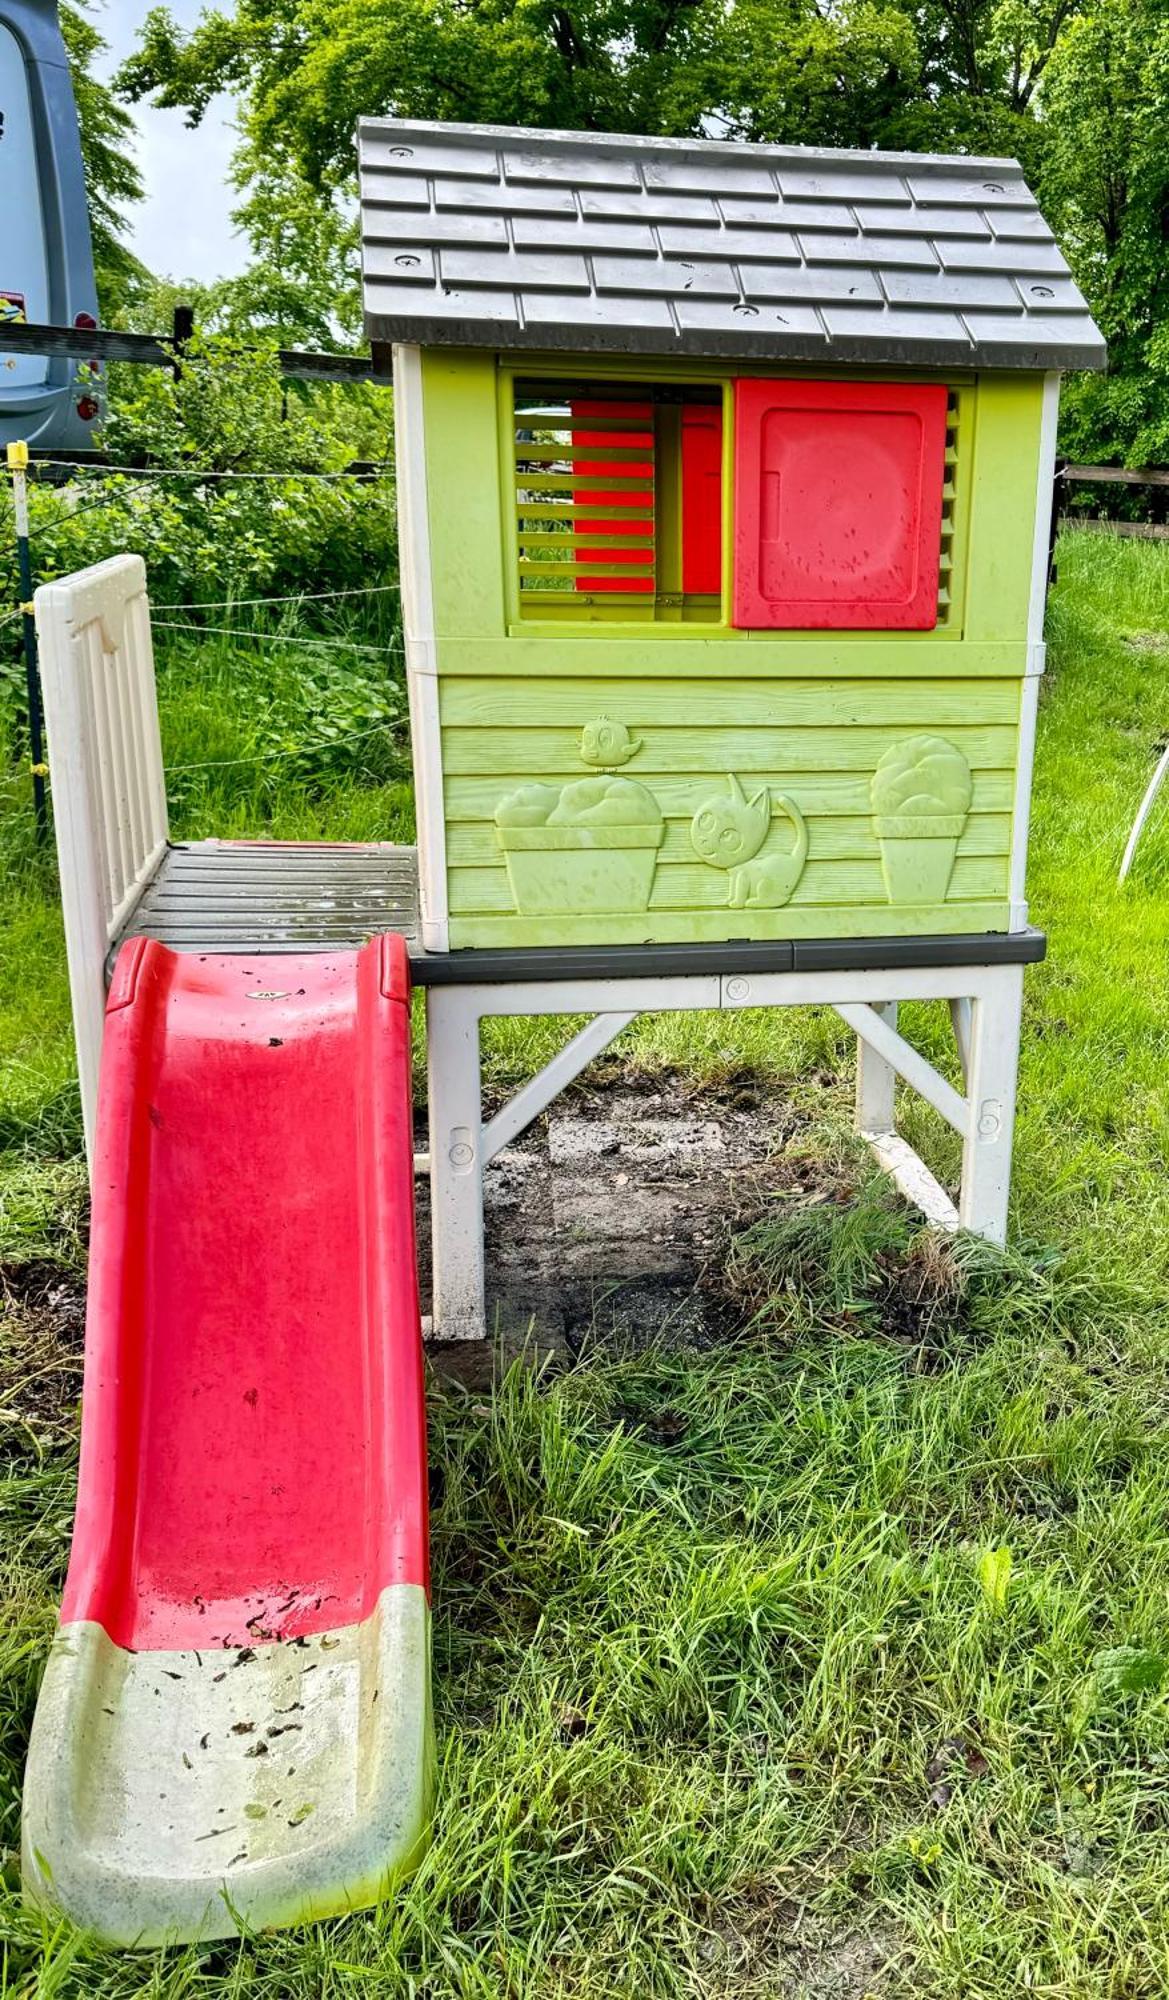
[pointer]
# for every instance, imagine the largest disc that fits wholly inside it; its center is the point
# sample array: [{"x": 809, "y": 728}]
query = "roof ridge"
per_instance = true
[{"x": 556, "y": 137}]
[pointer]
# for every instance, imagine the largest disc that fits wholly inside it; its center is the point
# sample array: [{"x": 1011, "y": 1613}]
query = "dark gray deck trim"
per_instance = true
[
  {"x": 664, "y": 961},
  {"x": 245, "y": 898}
]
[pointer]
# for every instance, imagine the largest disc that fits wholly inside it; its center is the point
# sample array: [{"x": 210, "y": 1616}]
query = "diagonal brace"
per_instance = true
[
  {"x": 548, "y": 1083},
  {"x": 909, "y": 1064}
]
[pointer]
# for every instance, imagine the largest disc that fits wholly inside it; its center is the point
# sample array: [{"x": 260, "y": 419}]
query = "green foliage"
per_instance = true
[
  {"x": 1077, "y": 89},
  {"x": 1105, "y": 182},
  {"x": 275, "y": 530},
  {"x": 111, "y": 177}
]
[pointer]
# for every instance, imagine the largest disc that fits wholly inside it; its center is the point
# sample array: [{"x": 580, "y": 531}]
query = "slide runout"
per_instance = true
[{"x": 234, "y": 1727}]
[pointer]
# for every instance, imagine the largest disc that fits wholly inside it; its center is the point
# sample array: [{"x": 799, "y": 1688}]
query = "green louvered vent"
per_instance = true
[{"x": 949, "y": 510}]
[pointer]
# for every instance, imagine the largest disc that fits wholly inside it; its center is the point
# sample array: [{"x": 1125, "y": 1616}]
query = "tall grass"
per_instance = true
[{"x": 832, "y": 1662}]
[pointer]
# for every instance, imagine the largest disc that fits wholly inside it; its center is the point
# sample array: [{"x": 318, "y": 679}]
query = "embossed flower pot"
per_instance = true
[
  {"x": 576, "y": 870},
  {"x": 917, "y": 854}
]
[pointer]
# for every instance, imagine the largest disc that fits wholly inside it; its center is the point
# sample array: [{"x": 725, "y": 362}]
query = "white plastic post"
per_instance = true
[
  {"x": 108, "y": 787},
  {"x": 421, "y": 648},
  {"x": 870, "y": 1026},
  {"x": 995, "y": 1017},
  {"x": 456, "y": 1163},
  {"x": 876, "y": 1080}
]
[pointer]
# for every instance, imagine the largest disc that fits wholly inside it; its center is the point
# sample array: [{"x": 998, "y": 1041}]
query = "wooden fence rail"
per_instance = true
[{"x": 1113, "y": 475}]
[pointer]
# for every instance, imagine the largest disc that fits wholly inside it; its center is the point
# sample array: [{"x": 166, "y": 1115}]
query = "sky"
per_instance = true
[{"x": 183, "y": 228}]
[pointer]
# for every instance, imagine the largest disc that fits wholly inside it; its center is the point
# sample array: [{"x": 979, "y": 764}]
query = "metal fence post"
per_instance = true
[{"x": 18, "y": 466}]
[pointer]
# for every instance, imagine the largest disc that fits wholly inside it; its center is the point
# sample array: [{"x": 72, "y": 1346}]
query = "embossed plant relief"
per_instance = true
[
  {"x": 587, "y": 846},
  {"x": 921, "y": 792},
  {"x": 728, "y": 831},
  {"x": 590, "y": 846}
]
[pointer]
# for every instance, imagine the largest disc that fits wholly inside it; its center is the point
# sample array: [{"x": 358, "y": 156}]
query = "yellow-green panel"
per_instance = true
[
  {"x": 657, "y": 650},
  {"x": 462, "y": 446},
  {"x": 589, "y": 812},
  {"x": 1002, "y": 518},
  {"x": 727, "y": 704},
  {"x": 830, "y": 794},
  {"x": 832, "y": 884},
  {"x": 841, "y": 838},
  {"x": 711, "y": 926},
  {"x": 528, "y": 753}
]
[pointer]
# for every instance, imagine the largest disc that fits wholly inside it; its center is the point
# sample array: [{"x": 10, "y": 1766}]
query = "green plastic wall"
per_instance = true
[{"x": 617, "y": 781}]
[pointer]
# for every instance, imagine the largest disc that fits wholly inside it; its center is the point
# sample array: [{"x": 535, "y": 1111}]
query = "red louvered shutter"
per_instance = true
[
  {"x": 628, "y": 566},
  {"x": 838, "y": 504},
  {"x": 702, "y": 527}
]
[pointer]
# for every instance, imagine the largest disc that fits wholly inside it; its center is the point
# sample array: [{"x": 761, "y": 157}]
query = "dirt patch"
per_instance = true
[
  {"x": 767, "y": 1945},
  {"x": 42, "y": 1335},
  {"x": 611, "y": 1216},
  {"x": 921, "y": 1297}
]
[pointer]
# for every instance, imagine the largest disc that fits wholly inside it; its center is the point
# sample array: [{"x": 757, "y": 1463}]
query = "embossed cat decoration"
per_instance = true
[{"x": 728, "y": 831}]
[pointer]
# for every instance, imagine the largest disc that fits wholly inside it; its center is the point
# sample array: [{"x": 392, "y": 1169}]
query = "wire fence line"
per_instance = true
[
  {"x": 246, "y": 632},
  {"x": 379, "y": 470},
  {"x": 303, "y": 750},
  {"x": 277, "y": 638},
  {"x": 248, "y": 603},
  {"x": 294, "y": 597}
]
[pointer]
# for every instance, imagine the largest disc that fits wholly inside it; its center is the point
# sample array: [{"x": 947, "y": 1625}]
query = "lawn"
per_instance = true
[{"x": 830, "y": 1663}]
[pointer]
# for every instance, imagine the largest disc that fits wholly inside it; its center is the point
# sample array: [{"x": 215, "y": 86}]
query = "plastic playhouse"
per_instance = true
[{"x": 725, "y": 479}]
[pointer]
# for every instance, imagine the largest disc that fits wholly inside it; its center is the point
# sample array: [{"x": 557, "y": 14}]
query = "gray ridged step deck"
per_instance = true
[{"x": 274, "y": 896}]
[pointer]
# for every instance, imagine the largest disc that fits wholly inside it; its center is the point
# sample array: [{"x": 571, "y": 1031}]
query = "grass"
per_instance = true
[{"x": 834, "y": 1662}]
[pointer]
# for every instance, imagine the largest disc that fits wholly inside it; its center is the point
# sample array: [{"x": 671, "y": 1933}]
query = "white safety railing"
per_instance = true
[{"x": 105, "y": 765}]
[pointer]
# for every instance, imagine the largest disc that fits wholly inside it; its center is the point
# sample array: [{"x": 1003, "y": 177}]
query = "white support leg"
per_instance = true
[
  {"x": 456, "y": 1163},
  {"x": 960, "y": 1021},
  {"x": 876, "y": 1083},
  {"x": 994, "y": 1060},
  {"x": 986, "y": 1024},
  {"x": 908, "y": 1171},
  {"x": 876, "y": 1080},
  {"x": 536, "y": 1095},
  {"x": 871, "y": 1027}
]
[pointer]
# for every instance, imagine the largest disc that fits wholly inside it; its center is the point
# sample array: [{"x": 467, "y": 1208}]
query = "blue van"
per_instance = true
[{"x": 46, "y": 260}]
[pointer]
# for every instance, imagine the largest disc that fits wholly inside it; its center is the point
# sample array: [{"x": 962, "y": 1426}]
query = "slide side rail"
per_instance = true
[{"x": 108, "y": 784}]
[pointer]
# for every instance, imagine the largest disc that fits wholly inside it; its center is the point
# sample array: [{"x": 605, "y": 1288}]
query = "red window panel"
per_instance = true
[
  {"x": 702, "y": 525},
  {"x": 838, "y": 504},
  {"x": 632, "y": 515}
]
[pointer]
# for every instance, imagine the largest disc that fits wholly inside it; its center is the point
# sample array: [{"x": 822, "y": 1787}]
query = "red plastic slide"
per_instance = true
[{"x": 248, "y": 1583}]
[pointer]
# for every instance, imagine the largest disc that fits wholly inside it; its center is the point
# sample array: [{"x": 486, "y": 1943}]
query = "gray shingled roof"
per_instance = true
[{"x": 485, "y": 236}]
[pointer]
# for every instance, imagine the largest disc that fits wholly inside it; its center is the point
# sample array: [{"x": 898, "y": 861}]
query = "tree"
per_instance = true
[
  {"x": 111, "y": 176},
  {"x": 1078, "y": 90},
  {"x": 306, "y": 70},
  {"x": 1105, "y": 183}
]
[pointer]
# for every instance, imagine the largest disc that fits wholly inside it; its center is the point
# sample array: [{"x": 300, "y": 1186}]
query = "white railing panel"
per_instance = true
[{"x": 106, "y": 772}]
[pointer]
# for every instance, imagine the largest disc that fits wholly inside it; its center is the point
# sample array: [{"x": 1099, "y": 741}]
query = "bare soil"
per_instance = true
[{"x": 612, "y": 1215}]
